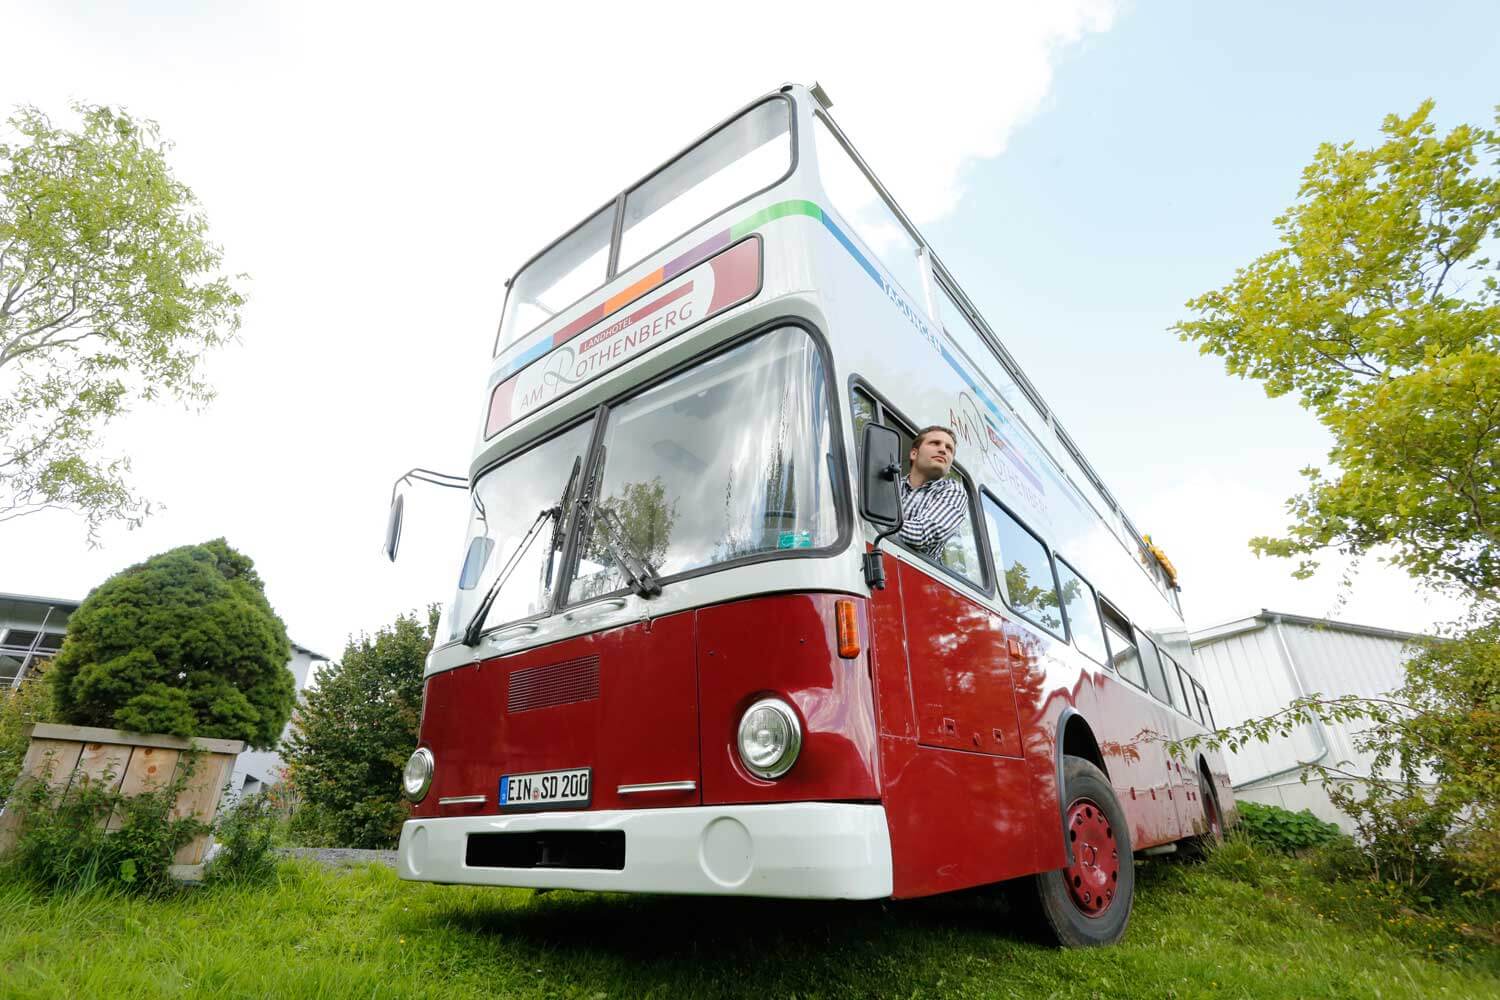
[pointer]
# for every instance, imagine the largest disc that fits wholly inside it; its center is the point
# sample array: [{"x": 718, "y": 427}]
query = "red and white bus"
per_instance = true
[{"x": 671, "y": 667}]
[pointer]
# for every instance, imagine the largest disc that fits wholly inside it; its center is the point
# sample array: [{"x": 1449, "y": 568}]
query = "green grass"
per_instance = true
[{"x": 1240, "y": 925}]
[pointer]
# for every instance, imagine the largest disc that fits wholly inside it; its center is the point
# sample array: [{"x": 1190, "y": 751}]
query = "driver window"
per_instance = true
[{"x": 960, "y": 553}]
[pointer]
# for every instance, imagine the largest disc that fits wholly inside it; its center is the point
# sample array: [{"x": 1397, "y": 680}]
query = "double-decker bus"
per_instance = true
[{"x": 672, "y": 663}]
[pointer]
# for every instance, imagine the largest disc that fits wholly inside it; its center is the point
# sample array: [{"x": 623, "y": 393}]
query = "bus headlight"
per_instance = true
[
  {"x": 770, "y": 738},
  {"x": 416, "y": 777}
]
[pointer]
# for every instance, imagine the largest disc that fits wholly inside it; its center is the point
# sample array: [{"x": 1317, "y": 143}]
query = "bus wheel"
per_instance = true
[
  {"x": 1213, "y": 821},
  {"x": 1088, "y": 903}
]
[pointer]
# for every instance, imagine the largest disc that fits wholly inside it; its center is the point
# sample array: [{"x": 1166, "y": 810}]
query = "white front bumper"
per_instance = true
[{"x": 803, "y": 850}]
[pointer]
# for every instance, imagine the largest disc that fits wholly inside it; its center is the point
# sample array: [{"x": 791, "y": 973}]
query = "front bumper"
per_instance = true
[{"x": 802, "y": 850}]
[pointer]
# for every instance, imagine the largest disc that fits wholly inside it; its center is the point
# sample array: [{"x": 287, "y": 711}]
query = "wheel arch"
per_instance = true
[{"x": 1075, "y": 738}]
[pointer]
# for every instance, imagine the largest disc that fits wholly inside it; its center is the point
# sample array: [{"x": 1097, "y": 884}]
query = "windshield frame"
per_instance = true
[
  {"x": 839, "y": 481},
  {"x": 612, "y": 269}
]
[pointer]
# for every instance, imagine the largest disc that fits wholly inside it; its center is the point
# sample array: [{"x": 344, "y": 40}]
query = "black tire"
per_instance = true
[
  {"x": 1088, "y": 903},
  {"x": 1213, "y": 816}
]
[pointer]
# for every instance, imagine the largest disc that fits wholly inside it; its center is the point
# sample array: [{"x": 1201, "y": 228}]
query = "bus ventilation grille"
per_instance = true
[{"x": 555, "y": 684}]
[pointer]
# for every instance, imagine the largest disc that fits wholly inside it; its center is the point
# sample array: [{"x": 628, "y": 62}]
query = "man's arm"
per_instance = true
[{"x": 939, "y": 518}]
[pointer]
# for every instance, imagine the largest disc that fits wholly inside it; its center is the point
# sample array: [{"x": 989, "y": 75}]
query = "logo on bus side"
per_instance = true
[{"x": 665, "y": 311}]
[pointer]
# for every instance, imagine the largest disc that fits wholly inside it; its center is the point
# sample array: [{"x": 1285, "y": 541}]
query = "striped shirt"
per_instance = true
[{"x": 932, "y": 513}]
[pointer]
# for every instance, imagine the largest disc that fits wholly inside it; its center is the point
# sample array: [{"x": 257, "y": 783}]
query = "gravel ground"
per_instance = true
[{"x": 340, "y": 857}]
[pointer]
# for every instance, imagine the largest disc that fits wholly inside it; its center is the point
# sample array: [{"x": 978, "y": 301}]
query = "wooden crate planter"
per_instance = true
[{"x": 132, "y": 763}]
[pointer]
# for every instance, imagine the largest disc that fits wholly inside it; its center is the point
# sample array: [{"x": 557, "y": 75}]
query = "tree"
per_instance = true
[
  {"x": 184, "y": 643},
  {"x": 354, "y": 732},
  {"x": 1381, "y": 310},
  {"x": 109, "y": 294}
]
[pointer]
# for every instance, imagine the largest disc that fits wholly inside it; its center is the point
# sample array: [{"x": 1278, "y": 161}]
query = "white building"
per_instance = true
[
  {"x": 1255, "y": 666},
  {"x": 32, "y": 629}
]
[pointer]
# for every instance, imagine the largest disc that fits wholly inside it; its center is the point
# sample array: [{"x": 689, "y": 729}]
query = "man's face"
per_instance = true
[{"x": 934, "y": 456}]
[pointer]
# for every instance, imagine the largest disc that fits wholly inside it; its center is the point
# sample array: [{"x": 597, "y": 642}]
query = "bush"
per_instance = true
[
  {"x": 1284, "y": 830},
  {"x": 246, "y": 833},
  {"x": 352, "y": 736},
  {"x": 19, "y": 709},
  {"x": 63, "y": 844},
  {"x": 183, "y": 643}
]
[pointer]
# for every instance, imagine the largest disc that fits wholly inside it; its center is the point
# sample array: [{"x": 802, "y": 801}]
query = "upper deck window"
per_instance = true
[
  {"x": 565, "y": 272},
  {"x": 740, "y": 159},
  {"x": 749, "y": 154}
]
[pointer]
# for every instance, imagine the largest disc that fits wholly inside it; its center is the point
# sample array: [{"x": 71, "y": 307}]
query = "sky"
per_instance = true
[{"x": 1083, "y": 167}]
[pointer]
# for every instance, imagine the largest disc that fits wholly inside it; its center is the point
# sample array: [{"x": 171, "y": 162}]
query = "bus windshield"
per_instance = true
[
  {"x": 508, "y": 503},
  {"x": 730, "y": 459},
  {"x": 747, "y": 155}
]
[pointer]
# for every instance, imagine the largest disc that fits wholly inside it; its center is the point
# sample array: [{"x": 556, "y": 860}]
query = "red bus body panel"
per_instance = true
[
  {"x": 641, "y": 726},
  {"x": 949, "y": 716},
  {"x": 786, "y": 646}
]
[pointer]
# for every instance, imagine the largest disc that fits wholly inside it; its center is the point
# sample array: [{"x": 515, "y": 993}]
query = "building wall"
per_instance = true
[
  {"x": 1247, "y": 677},
  {"x": 21, "y": 618},
  {"x": 1254, "y": 668}
]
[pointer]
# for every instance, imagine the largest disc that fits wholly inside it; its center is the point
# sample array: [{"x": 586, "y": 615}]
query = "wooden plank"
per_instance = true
[
  {"x": 200, "y": 799},
  {"x": 96, "y": 734},
  {"x": 149, "y": 769},
  {"x": 53, "y": 760},
  {"x": 101, "y": 765}
]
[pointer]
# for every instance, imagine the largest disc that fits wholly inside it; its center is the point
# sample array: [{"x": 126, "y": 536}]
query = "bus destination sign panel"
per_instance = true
[{"x": 648, "y": 319}]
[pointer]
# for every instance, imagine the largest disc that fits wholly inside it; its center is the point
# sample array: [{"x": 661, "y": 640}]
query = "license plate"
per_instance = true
[{"x": 546, "y": 789}]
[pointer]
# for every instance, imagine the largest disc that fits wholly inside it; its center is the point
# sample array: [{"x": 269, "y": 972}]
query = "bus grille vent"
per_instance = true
[{"x": 555, "y": 684}]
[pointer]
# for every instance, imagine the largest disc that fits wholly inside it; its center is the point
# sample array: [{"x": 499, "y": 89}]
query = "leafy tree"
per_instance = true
[
  {"x": 184, "y": 643},
  {"x": 109, "y": 294},
  {"x": 1381, "y": 311},
  {"x": 353, "y": 734}
]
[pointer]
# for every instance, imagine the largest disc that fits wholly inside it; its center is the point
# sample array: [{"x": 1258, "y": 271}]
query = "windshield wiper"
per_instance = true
[
  {"x": 556, "y": 513},
  {"x": 476, "y": 624},
  {"x": 556, "y": 542},
  {"x": 636, "y": 567}
]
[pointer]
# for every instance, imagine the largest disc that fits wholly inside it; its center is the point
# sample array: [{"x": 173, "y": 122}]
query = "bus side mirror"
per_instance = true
[
  {"x": 879, "y": 493},
  {"x": 880, "y": 474},
  {"x": 393, "y": 527}
]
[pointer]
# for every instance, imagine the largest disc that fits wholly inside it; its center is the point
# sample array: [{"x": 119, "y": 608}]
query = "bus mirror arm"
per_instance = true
[
  {"x": 880, "y": 494},
  {"x": 398, "y": 501}
]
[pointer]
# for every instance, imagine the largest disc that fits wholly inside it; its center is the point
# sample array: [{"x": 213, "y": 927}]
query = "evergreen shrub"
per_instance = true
[{"x": 184, "y": 643}]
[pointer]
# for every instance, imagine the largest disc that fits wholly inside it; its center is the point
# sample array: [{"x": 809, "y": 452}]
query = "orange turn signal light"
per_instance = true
[{"x": 848, "y": 629}]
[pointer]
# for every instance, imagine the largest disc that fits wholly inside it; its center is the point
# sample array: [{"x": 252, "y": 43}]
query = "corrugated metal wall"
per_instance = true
[
  {"x": 1246, "y": 677},
  {"x": 1333, "y": 661}
]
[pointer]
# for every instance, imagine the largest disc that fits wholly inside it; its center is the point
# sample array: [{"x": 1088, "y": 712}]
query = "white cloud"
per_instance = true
[{"x": 379, "y": 173}]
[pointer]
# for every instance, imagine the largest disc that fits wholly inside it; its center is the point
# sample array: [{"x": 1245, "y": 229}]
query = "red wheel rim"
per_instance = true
[{"x": 1094, "y": 875}]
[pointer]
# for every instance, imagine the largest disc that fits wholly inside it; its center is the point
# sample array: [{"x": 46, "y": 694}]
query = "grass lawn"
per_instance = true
[{"x": 1222, "y": 929}]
